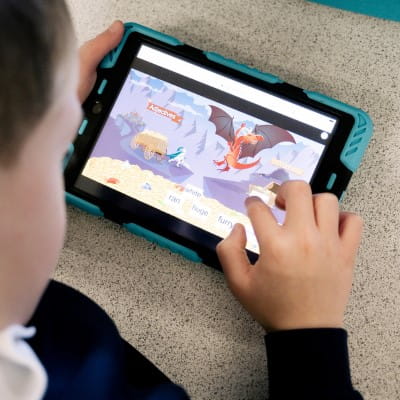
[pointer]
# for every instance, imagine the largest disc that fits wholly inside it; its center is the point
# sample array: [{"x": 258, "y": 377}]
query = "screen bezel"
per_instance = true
[{"x": 123, "y": 209}]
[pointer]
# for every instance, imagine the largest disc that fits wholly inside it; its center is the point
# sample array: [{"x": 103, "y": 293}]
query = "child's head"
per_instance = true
[
  {"x": 34, "y": 41},
  {"x": 39, "y": 113}
]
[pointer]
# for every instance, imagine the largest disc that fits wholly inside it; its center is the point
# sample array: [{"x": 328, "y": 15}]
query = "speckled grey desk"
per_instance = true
[{"x": 181, "y": 315}]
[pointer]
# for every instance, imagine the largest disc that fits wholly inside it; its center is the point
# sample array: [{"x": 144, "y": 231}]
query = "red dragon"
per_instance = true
[{"x": 262, "y": 137}]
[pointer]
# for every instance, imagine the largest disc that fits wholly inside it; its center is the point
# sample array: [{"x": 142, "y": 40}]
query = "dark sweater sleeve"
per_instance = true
[{"x": 309, "y": 364}]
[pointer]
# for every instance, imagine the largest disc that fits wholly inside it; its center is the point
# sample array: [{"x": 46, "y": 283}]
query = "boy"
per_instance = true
[{"x": 297, "y": 290}]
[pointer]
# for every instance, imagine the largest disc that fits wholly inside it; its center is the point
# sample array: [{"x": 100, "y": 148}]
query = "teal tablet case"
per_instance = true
[
  {"x": 350, "y": 156},
  {"x": 136, "y": 229},
  {"x": 388, "y": 9}
]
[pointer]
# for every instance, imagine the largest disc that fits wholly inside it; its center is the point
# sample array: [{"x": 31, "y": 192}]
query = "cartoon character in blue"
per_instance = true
[{"x": 178, "y": 157}]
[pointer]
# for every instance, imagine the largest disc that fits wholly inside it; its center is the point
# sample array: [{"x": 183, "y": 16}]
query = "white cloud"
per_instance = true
[
  {"x": 142, "y": 84},
  {"x": 185, "y": 107}
]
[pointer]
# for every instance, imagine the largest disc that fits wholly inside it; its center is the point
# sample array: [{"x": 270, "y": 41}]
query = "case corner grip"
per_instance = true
[
  {"x": 111, "y": 58},
  {"x": 359, "y": 136}
]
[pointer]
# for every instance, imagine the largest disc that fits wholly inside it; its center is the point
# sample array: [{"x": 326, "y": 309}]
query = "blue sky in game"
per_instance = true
[{"x": 182, "y": 99}]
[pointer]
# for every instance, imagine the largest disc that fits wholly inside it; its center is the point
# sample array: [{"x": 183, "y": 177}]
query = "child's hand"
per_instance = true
[
  {"x": 303, "y": 276},
  {"x": 91, "y": 54}
]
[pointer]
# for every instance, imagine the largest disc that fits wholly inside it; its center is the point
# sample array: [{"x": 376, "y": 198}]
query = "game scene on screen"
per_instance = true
[{"x": 194, "y": 158}]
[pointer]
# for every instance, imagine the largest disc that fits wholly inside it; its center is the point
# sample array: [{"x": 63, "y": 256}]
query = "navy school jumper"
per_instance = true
[{"x": 86, "y": 358}]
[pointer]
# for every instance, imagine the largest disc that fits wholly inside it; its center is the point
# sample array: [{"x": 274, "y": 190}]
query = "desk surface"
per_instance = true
[{"x": 181, "y": 315}]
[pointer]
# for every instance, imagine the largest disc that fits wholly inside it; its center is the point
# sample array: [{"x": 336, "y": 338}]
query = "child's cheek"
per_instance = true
[
  {"x": 73, "y": 116},
  {"x": 50, "y": 218},
  {"x": 35, "y": 217}
]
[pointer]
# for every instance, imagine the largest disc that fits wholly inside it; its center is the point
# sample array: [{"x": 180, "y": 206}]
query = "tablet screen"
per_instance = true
[{"x": 194, "y": 143}]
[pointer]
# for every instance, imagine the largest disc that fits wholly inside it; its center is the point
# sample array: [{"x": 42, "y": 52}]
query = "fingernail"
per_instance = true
[
  {"x": 229, "y": 234},
  {"x": 252, "y": 199},
  {"x": 114, "y": 27},
  {"x": 235, "y": 229}
]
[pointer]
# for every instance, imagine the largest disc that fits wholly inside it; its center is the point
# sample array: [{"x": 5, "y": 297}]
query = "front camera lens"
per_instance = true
[{"x": 97, "y": 108}]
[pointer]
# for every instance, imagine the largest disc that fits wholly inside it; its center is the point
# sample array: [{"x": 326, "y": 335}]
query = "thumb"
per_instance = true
[
  {"x": 94, "y": 50},
  {"x": 233, "y": 258}
]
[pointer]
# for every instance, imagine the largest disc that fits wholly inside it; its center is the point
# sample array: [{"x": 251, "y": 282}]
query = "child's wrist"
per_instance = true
[{"x": 303, "y": 324}]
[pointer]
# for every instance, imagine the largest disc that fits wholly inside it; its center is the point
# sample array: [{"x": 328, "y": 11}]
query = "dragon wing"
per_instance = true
[
  {"x": 271, "y": 134},
  {"x": 223, "y": 123}
]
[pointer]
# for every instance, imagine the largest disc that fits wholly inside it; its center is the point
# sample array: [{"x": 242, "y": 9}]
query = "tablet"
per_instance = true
[{"x": 174, "y": 139}]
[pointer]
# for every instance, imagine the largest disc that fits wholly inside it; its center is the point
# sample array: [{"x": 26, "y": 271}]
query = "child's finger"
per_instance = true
[
  {"x": 326, "y": 209},
  {"x": 295, "y": 197},
  {"x": 264, "y": 222},
  {"x": 93, "y": 51},
  {"x": 233, "y": 258},
  {"x": 350, "y": 230}
]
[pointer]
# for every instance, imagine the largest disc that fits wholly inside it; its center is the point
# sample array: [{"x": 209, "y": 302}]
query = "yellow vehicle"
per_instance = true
[{"x": 152, "y": 143}]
